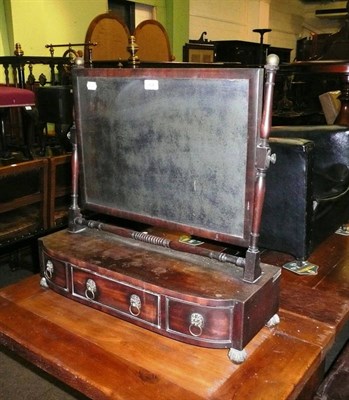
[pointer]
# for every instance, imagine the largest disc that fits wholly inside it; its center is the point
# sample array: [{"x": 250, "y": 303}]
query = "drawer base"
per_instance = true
[{"x": 183, "y": 296}]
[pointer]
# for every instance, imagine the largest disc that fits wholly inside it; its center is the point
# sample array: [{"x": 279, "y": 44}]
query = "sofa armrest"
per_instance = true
[
  {"x": 294, "y": 220},
  {"x": 331, "y": 142},
  {"x": 290, "y": 178},
  {"x": 287, "y": 210}
]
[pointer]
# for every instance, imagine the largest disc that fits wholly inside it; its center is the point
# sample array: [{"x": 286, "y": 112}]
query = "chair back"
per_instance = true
[
  {"x": 111, "y": 36},
  {"x": 23, "y": 200},
  {"x": 59, "y": 190},
  {"x": 153, "y": 42}
]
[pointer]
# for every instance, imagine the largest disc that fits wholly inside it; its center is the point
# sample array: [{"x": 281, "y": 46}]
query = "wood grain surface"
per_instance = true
[{"x": 107, "y": 358}]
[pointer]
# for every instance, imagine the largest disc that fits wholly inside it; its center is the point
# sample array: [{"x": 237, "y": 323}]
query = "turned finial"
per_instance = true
[
  {"x": 273, "y": 60},
  {"x": 132, "y": 48},
  {"x": 18, "y": 50}
]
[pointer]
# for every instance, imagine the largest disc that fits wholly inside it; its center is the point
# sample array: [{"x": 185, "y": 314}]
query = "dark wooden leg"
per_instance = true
[
  {"x": 4, "y": 152},
  {"x": 29, "y": 124}
]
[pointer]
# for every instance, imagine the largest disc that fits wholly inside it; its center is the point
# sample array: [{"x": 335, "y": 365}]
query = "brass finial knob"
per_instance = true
[
  {"x": 132, "y": 48},
  {"x": 18, "y": 50}
]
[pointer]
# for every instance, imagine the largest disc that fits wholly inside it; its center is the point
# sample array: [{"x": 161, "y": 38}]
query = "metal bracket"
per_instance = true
[{"x": 264, "y": 157}]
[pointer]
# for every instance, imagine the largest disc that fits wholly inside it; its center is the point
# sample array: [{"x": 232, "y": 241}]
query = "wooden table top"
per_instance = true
[{"x": 107, "y": 358}]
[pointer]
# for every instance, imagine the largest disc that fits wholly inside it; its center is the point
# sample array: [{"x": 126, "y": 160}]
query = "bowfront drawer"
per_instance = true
[
  {"x": 55, "y": 272},
  {"x": 118, "y": 297},
  {"x": 201, "y": 323}
]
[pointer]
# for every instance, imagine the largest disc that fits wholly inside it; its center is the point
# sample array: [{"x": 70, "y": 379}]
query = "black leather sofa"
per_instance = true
[{"x": 307, "y": 195}]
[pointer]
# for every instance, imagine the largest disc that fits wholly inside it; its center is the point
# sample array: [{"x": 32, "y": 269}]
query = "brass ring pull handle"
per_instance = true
[
  {"x": 135, "y": 305},
  {"x": 196, "y": 324},
  {"x": 49, "y": 269},
  {"x": 91, "y": 289}
]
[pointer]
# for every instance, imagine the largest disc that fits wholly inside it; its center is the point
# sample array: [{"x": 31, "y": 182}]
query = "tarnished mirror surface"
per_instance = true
[{"x": 170, "y": 148}]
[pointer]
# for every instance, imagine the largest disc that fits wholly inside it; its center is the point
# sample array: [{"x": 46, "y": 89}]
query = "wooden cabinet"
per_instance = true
[{"x": 247, "y": 53}]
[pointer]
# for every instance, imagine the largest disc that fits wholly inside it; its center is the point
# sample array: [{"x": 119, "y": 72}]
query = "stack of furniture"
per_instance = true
[
  {"x": 23, "y": 204},
  {"x": 59, "y": 191},
  {"x": 34, "y": 200},
  {"x": 23, "y": 95}
]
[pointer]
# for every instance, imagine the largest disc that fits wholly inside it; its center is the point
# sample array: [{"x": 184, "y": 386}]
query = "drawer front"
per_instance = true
[
  {"x": 116, "y": 296},
  {"x": 55, "y": 272},
  {"x": 201, "y": 323}
]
